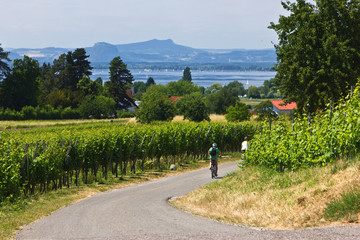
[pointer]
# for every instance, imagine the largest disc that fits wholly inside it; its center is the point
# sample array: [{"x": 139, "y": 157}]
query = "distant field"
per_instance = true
[
  {"x": 254, "y": 102},
  {"x": 50, "y": 123}
]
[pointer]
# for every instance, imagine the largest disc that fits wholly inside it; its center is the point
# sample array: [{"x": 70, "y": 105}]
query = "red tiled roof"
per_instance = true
[
  {"x": 281, "y": 105},
  {"x": 174, "y": 98}
]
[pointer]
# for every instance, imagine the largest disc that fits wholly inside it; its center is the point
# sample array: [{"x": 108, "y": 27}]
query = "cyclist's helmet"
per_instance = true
[{"x": 214, "y": 145}]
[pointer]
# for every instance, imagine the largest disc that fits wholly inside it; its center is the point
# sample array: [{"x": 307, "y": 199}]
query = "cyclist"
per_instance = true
[
  {"x": 244, "y": 145},
  {"x": 214, "y": 155}
]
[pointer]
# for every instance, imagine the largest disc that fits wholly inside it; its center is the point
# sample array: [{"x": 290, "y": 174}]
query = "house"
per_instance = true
[{"x": 280, "y": 107}]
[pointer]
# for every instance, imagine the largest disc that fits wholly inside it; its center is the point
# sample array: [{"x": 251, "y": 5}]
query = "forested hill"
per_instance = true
[{"x": 153, "y": 51}]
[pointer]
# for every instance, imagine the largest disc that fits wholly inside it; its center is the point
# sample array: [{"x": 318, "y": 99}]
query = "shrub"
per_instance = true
[
  {"x": 97, "y": 107},
  {"x": 28, "y": 112},
  {"x": 69, "y": 113},
  {"x": 239, "y": 112}
]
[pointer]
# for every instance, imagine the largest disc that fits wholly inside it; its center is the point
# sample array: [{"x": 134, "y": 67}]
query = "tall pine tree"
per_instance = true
[{"x": 119, "y": 84}]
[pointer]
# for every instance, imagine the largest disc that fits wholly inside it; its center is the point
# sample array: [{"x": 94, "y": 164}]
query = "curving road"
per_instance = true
[{"x": 142, "y": 212}]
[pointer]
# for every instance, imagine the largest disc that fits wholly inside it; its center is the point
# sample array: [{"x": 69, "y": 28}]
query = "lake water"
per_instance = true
[{"x": 201, "y": 78}]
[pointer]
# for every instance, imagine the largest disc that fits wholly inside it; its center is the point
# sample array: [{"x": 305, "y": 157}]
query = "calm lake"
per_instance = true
[{"x": 201, "y": 78}]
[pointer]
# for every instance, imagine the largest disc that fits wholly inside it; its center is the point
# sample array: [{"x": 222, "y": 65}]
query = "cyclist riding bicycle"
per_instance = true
[{"x": 214, "y": 154}]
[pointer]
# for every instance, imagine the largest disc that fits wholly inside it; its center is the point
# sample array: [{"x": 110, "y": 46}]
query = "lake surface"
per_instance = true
[{"x": 201, "y": 78}]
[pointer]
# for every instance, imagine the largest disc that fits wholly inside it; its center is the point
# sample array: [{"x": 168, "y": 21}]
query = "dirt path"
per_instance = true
[{"x": 142, "y": 212}]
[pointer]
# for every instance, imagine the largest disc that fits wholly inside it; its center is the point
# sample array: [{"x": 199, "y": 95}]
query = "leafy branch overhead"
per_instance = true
[{"x": 318, "y": 51}]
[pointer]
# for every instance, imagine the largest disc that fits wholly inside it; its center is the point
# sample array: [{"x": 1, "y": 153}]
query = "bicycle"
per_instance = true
[{"x": 213, "y": 168}]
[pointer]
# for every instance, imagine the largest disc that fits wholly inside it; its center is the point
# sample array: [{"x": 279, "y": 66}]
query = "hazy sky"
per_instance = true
[{"x": 194, "y": 23}]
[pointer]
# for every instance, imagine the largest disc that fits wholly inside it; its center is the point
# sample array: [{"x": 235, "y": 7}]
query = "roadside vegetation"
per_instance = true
[
  {"x": 13, "y": 215},
  {"x": 258, "y": 196}
]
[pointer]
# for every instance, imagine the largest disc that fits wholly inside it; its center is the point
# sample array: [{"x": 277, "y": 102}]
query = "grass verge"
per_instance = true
[
  {"x": 261, "y": 197},
  {"x": 15, "y": 215}
]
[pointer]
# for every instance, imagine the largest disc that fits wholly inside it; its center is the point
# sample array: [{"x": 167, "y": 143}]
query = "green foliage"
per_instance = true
[
  {"x": 41, "y": 159},
  {"x": 21, "y": 87},
  {"x": 4, "y": 68},
  {"x": 237, "y": 88},
  {"x": 318, "y": 51},
  {"x": 89, "y": 87},
  {"x": 182, "y": 88},
  {"x": 139, "y": 88},
  {"x": 239, "y": 112},
  {"x": 97, "y": 107},
  {"x": 124, "y": 114},
  {"x": 64, "y": 98},
  {"x": 193, "y": 107},
  {"x": 120, "y": 81},
  {"x": 306, "y": 144},
  {"x": 187, "y": 75},
  {"x": 253, "y": 92},
  {"x": 155, "y": 106},
  {"x": 219, "y": 101},
  {"x": 214, "y": 88},
  {"x": 346, "y": 206},
  {"x": 150, "y": 81},
  {"x": 264, "y": 111}
]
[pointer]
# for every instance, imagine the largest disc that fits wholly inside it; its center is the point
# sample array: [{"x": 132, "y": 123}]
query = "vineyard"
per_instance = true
[
  {"x": 310, "y": 140},
  {"x": 46, "y": 159}
]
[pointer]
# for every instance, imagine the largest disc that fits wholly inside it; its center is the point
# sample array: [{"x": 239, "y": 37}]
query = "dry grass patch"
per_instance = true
[{"x": 262, "y": 197}]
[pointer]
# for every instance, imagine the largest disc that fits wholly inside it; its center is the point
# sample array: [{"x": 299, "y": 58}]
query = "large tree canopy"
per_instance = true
[
  {"x": 21, "y": 87},
  {"x": 318, "y": 51}
]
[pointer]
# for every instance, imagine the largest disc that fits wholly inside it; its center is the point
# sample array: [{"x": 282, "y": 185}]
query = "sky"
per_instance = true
[{"x": 215, "y": 24}]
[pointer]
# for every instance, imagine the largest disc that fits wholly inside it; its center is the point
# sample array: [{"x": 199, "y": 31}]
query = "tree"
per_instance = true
[
  {"x": 99, "y": 81},
  {"x": 182, "y": 88},
  {"x": 215, "y": 87},
  {"x": 264, "y": 111},
  {"x": 187, "y": 75},
  {"x": 150, "y": 81},
  {"x": 253, "y": 92},
  {"x": 155, "y": 106},
  {"x": 236, "y": 88},
  {"x": 318, "y": 51},
  {"x": 193, "y": 107},
  {"x": 219, "y": 101},
  {"x": 139, "y": 89},
  {"x": 4, "y": 68},
  {"x": 239, "y": 112},
  {"x": 64, "y": 98},
  {"x": 21, "y": 87},
  {"x": 97, "y": 107},
  {"x": 89, "y": 87},
  {"x": 120, "y": 81}
]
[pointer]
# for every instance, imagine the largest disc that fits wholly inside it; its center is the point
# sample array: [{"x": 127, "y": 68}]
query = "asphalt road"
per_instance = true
[{"x": 142, "y": 211}]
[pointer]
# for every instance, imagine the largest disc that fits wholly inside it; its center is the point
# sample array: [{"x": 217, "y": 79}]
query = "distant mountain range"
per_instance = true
[{"x": 153, "y": 51}]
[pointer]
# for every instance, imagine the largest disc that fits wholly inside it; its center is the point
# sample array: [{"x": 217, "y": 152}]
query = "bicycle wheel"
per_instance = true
[{"x": 213, "y": 174}]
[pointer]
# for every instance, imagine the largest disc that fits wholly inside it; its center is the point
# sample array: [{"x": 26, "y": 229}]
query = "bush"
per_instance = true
[
  {"x": 239, "y": 112},
  {"x": 9, "y": 114},
  {"x": 28, "y": 112},
  {"x": 69, "y": 113},
  {"x": 47, "y": 112},
  {"x": 155, "y": 106},
  {"x": 193, "y": 107},
  {"x": 97, "y": 107}
]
